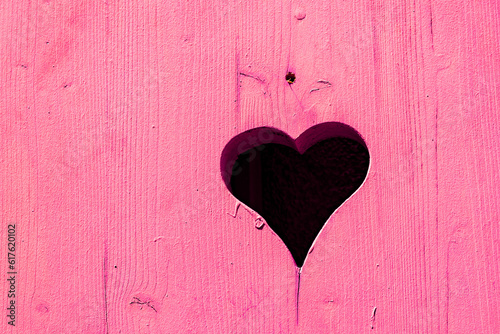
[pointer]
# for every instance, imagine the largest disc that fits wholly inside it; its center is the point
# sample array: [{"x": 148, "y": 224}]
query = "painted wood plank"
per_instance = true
[{"x": 113, "y": 118}]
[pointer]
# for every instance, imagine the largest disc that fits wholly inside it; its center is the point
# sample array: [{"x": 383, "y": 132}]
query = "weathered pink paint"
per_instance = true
[{"x": 113, "y": 118}]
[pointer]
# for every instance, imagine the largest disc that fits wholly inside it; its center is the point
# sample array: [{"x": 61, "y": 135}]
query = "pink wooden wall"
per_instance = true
[{"x": 113, "y": 116}]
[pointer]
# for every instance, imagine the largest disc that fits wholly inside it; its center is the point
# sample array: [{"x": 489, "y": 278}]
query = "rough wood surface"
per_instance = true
[{"x": 113, "y": 116}]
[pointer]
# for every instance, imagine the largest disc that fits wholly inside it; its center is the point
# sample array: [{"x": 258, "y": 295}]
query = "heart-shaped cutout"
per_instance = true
[{"x": 295, "y": 185}]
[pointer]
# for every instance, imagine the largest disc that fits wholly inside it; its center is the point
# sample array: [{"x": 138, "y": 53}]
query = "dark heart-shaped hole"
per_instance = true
[{"x": 295, "y": 185}]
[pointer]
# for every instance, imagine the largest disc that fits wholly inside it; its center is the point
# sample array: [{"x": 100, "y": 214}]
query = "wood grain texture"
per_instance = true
[{"x": 113, "y": 116}]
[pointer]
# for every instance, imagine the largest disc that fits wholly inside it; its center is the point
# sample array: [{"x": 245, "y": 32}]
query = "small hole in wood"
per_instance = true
[{"x": 290, "y": 77}]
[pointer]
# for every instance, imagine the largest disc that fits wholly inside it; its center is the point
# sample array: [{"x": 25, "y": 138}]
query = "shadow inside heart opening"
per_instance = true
[{"x": 296, "y": 193}]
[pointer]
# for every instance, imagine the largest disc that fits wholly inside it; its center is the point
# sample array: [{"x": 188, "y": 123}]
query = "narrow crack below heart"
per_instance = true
[{"x": 297, "y": 193}]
